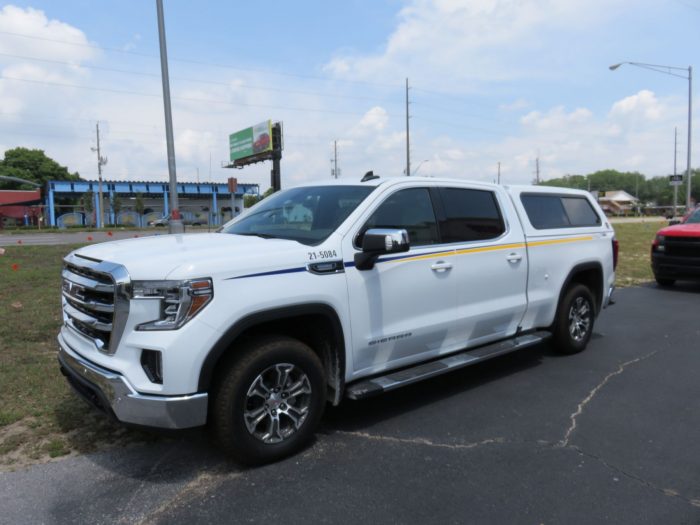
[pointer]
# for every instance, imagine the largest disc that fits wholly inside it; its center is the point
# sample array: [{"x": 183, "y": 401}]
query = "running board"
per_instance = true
[{"x": 407, "y": 376}]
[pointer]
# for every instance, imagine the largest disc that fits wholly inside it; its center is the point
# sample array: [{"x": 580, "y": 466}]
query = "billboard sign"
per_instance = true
[{"x": 251, "y": 141}]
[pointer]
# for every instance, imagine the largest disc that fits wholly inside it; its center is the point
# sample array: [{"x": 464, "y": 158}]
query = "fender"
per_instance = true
[
  {"x": 598, "y": 294},
  {"x": 234, "y": 331}
]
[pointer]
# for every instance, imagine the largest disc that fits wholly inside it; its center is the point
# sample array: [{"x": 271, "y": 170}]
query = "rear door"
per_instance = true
[{"x": 489, "y": 261}]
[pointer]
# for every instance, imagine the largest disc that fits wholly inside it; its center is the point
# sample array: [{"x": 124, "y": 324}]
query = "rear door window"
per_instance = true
[{"x": 470, "y": 215}]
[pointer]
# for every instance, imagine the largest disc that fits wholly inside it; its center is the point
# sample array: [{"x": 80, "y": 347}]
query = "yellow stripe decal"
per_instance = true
[
  {"x": 492, "y": 248},
  {"x": 561, "y": 241}
]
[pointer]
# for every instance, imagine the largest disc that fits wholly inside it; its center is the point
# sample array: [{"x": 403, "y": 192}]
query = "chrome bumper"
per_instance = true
[
  {"x": 112, "y": 392},
  {"x": 609, "y": 297}
]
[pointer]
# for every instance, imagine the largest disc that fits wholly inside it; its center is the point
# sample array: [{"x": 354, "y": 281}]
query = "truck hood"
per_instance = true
[
  {"x": 196, "y": 255},
  {"x": 681, "y": 230}
]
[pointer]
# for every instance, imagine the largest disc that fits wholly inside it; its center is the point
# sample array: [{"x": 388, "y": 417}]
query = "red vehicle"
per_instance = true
[{"x": 675, "y": 252}]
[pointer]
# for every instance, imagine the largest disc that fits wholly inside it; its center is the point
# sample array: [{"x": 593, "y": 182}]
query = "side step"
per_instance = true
[{"x": 396, "y": 379}]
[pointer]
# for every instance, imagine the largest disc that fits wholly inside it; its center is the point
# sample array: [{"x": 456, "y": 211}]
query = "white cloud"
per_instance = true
[
  {"x": 455, "y": 43},
  {"x": 556, "y": 118},
  {"x": 374, "y": 120},
  {"x": 643, "y": 104},
  {"x": 35, "y": 23}
]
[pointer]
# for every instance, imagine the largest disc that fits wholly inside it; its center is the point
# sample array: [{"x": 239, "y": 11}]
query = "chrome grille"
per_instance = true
[{"x": 95, "y": 300}]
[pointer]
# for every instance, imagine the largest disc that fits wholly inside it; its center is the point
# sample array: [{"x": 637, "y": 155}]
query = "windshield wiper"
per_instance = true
[{"x": 261, "y": 235}]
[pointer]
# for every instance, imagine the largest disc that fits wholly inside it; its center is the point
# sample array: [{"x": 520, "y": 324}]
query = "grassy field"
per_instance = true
[
  {"x": 40, "y": 418},
  {"x": 635, "y": 248}
]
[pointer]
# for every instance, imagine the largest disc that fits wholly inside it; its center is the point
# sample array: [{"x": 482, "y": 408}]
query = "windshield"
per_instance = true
[
  {"x": 307, "y": 215},
  {"x": 694, "y": 218}
]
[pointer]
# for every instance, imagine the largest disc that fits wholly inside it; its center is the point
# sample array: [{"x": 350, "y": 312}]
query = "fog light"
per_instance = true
[{"x": 152, "y": 363}]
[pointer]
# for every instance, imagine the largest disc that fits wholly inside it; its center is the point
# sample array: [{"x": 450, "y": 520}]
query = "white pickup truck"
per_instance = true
[{"x": 326, "y": 291}]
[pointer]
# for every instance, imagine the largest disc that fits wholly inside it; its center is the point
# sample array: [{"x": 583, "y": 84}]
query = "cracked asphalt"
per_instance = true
[{"x": 611, "y": 435}]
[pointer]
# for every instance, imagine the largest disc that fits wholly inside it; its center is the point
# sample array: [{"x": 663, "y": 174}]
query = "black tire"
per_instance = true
[
  {"x": 574, "y": 320},
  {"x": 257, "y": 366},
  {"x": 662, "y": 281}
]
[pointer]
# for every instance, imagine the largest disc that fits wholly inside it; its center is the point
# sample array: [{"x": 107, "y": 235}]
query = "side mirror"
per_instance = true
[{"x": 379, "y": 241}]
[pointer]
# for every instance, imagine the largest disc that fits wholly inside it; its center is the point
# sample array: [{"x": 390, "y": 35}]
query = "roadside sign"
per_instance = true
[{"x": 675, "y": 180}]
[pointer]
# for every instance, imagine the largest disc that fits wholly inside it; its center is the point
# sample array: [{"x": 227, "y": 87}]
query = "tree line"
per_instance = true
[{"x": 654, "y": 191}]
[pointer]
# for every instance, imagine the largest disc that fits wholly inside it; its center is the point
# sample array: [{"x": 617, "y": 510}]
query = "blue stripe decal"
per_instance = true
[{"x": 274, "y": 272}]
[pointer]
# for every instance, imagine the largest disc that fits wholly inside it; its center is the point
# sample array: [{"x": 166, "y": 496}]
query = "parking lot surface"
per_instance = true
[{"x": 611, "y": 435}]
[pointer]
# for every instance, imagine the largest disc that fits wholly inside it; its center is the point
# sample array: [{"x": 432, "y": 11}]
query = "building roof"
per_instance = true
[
  {"x": 619, "y": 196},
  {"x": 130, "y": 186},
  {"x": 16, "y": 197}
]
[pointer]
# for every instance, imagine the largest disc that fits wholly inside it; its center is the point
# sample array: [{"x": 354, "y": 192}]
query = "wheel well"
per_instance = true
[
  {"x": 591, "y": 276},
  {"x": 316, "y": 326}
]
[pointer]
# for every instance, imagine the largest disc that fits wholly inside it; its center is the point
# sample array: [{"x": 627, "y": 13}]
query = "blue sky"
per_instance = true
[{"x": 492, "y": 81}]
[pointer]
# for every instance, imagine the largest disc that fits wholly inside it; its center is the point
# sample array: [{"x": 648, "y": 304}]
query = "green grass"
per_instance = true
[
  {"x": 41, "y": 418},
  {"x": 634, "y": 264}
]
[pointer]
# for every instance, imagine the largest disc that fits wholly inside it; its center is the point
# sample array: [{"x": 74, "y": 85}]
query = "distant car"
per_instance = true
[
  {"x": 163, "y": 221},
  {"x": 675, "y": 252}
]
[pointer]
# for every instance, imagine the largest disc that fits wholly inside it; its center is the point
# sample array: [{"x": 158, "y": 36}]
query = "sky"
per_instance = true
[{"x": 490, "y": 81}]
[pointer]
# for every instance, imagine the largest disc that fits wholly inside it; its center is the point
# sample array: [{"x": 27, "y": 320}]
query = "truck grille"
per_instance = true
[
  {"x": 95, "y": 300},
  {"x": 683, "y": 246}
]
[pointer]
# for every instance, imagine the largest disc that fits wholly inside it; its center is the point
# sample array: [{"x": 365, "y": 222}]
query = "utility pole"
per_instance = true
[
  {"x": 499, "y": 173},
  {"x": 335, "y": 159},
  {"x": 537, "y": 170},
  {"x": 675, "y": 158},
  {"x": 690, "y": 127},
  {"x": 408, "y": 139},
  {"x": 101, "y": 161},
  {"x": 175, "y": 223}
]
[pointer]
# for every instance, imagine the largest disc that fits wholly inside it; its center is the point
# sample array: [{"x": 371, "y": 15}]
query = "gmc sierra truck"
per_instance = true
[{"x": 328, "y": 291}]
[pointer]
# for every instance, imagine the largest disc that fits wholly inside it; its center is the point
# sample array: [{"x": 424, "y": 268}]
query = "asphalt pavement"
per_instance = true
[{"x": 611, "y": 435}]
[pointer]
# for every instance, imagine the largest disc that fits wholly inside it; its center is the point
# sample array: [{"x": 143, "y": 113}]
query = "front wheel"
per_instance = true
[
  {"x": 661, "y": 281},
  {"x": 269, "y": 400},
  {"x": 573, "y": 325}
]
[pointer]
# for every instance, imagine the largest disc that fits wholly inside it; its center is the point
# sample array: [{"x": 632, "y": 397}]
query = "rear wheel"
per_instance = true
[
  {"x": 269, "y": 400},
  {"x": 573, "y": 325}
]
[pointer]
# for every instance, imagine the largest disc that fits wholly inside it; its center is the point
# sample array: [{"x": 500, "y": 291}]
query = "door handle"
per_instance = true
[
  {"x": 440, "y": 266},
  {"x": 514, "y": 257}
]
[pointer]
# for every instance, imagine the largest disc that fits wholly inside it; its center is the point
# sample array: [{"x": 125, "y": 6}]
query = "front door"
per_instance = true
[{"x": 404, "y": 308}]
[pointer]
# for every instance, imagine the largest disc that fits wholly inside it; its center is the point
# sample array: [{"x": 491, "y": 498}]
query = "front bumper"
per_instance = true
[
  {"x": 111, "y": 392},
  {"x": 669, "y": 266}
]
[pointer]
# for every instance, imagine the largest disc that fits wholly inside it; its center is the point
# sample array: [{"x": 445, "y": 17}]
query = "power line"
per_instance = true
[
  {"x": 197, "y": 62},
  {"x": 188, "y": 79},
  {"x": 186, "y": 99}
]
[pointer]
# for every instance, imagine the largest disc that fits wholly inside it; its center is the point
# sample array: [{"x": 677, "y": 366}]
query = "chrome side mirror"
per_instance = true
[{"x": 380, "y": 241}]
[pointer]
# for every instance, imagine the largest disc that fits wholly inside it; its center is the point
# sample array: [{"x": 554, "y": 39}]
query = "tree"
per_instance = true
[
  {"x": 250, "y": 200},
  {"x": 139, "y": 206},
  {"x": 116, "y": 204},
  {"x": 32, "y": 165}
]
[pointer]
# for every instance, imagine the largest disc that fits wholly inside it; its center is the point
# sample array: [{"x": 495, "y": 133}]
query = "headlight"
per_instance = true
[
  {"x": 180, "y": 301},
  {"x": 659, "y": 243}
]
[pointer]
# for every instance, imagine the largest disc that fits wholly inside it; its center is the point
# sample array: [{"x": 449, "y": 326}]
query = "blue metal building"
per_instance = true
[{"x": 214, "y": 193}]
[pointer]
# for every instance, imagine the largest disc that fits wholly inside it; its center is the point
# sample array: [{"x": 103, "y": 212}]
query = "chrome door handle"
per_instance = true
[
  {"x": 514, "y": 257},
  {"x": 440, "y": 266}
]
